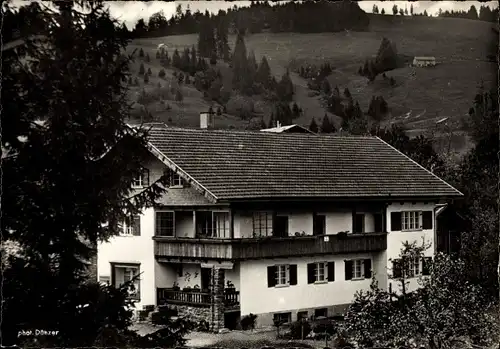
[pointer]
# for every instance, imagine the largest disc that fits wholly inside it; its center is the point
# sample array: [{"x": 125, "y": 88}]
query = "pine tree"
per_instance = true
[
  {"x": 252, "y": 65},
  {"x": 193, "y": 62},
  {"x": 241, "y": 80},
  {"x": 262, "y": 125},
  {"x": 147, "y": 58},
  {"x": 382, "y": 11},
  {"x": 326, "y": 125},
  {"x": 313, "y": 127},
  {"x": 146, "y": 78},
  {"x": 150, "y": 72},
  {"x": 326, "y": 87},
  {"x": 158, "y": 56},
  {"x": 347, "y": 93},
  {"x": 285, "y": 88},
  {"x": 176, "y": 60},
  {"x": 141, "y": 69},
  {"x": 73, "y": 167},
  {"x": 264, "y": 72},
  {"x": 141, "y": 53},
  {"x": 295, "y": 110},
  {"x": 162, "y": 73},
  {"x": 411, "y": 9},
  {"x": 185, "y": 60}
]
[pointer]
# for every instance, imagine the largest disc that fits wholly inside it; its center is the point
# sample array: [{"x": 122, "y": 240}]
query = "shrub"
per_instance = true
[
  {"x": 150, "y": 72},
  {"x": 158, "y": 55},
  {"x": 146, "y": 78},
  {"x": 300, "y": 329},
  {"x": 136, "y": 81},
  {"x": 248, "y": 322},
  {"x": 141, "y": 53},
  {"x": 147, "y": 58},
  {"x": 162, "y": 73}
]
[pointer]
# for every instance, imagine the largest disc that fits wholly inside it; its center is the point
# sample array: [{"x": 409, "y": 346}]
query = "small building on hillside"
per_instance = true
[
  {"x": 287, "y": 129},
  {"x": 424, "y": 61}
]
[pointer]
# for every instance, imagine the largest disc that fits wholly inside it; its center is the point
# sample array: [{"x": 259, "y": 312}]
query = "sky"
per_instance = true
[{"x": 131, "y": 11}]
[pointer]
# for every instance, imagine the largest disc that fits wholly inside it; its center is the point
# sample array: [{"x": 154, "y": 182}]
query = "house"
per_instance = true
[
  {"x": 424, "y": 61},
  {"x": 287, "y": 129},
  {"x": 275, "y": 224}
]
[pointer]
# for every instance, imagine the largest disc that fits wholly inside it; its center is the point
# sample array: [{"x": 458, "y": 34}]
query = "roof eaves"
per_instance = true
[
  {"x": 459, "y": 193},
  {"x": 170, "y": 164}
]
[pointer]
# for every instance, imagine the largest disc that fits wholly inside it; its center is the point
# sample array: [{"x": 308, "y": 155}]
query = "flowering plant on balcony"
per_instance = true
[
  {"x": 175, "y": 286},
  {"x": 230, "y": 285}
]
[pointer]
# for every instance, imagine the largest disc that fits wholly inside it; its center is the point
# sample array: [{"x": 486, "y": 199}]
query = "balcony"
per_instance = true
[
  {"x": 196, "y": 298},
  {"x": 269, "y": 247}
]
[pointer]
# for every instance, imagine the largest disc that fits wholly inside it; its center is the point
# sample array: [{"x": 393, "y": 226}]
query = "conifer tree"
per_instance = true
[
  {"x": 141, "y": 69},
  {"x": 241, "y": 80},
  {"x": 313, "y": 127},
  {"x": 326, "y": 125},
  {"x": 176, "y": 60},
  {"x": 264, "y": 73}
]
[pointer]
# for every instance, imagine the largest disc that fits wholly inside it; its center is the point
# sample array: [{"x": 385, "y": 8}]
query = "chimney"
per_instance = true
[{"x": 207, "y": 120}]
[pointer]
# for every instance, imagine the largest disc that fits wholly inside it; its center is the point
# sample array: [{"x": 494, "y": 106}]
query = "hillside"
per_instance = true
[{"x": 420, "y": 97}]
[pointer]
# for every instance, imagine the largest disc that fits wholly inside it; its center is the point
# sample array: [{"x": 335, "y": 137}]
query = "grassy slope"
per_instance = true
[{"x": 421, "y": 95}]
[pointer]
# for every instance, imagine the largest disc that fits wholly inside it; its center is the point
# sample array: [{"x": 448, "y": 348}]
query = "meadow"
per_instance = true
[{"x": 420, "y": 97}]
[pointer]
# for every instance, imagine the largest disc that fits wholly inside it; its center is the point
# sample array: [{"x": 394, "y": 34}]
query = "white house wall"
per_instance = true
[
  {"x": 395, "y": 239},
  {"x": 257, "y": 298},
  {"x": 133, "y": 249}
]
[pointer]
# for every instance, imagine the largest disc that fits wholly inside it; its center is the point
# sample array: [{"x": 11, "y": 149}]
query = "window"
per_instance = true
[
  {"x": 132, "y": 226},
  {"x": 282, "y": 275},
  {"x": 125, "y": 273},
  {"x": 175, "y": 179},
  {"x": 165, "y": 223},
  {"x": 321, "y": 312},
  {"x": 359, "y": 223},
  {"x": 221, "y": 224},
  {"x": 319, "y": 224},
  {"x": 301, "y": 315},
  {"x": 320, "y": 272},
  {"x": 358, "y": 269},
  {"x": 410, "y": 220},
  {"x": 411, "y": 266},
  {"x": 142, "y": 180},
  {"x": 280, "y": 226},
  {"x": 282, "y": 318},
  {"x": 262, "y": 224}
]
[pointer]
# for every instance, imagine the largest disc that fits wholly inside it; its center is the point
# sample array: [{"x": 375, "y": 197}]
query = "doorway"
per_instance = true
[{"x": 206, "y": 275}]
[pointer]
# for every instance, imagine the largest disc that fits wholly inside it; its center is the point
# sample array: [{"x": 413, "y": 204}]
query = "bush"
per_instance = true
[
  {"x": 136, "y": 81},
  {"x": 141, "y": 53},
  {"x": 147, "y": 58},
  {"x": 146, "y": 78},
  {"x": 162, "y": 74},
  {"x": 300, "y": 329},
  {"x": 150, "y": 72},
  {"x": 248, "y": 322}
]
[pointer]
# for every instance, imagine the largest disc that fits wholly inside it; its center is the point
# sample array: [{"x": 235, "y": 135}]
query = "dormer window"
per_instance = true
[
  {"x": 175, "y": 180},
  {"x": 142, "y": 180}
]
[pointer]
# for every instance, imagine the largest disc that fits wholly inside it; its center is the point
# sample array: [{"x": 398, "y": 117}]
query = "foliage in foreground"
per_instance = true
[
  {"x": 446, "y": 308},
  {"x": 68, "y": 160}
]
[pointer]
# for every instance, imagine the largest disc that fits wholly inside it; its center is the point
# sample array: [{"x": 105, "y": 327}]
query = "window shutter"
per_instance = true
[
  {"x": 368, "y": 268},
  {"x": 426, "y": 265},
  {"x": 427, "y": 220},
  {"x": 293, "y": 274},
  {"x": 271, "y": 276},
  {"x": 348, "y": 270},
  {"x": 311, "y": 277},
  {"x": 395, "y": 221},
  {"x": 396, "y": 268},
  {"x": 331, "y": 271},
  {"x": 136, "y": 225},
  {"x": 377, "y": 218}
]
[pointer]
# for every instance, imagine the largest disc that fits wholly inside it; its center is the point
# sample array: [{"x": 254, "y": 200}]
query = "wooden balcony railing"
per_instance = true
[
  {"x": 195, "y": 298},
  {"x": 271, "y": 247}
]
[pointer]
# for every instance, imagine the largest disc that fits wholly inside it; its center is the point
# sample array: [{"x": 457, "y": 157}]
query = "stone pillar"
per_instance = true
[{"x": 217, "y": 305}]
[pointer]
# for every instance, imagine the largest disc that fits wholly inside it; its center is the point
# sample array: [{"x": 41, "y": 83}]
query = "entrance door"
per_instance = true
[
  {"x": 206, "y": 274},
  {"x": 281, "y": 226}
]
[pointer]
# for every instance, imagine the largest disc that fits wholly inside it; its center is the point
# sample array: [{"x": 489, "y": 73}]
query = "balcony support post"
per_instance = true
[{"x": 217, "y": 303}]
